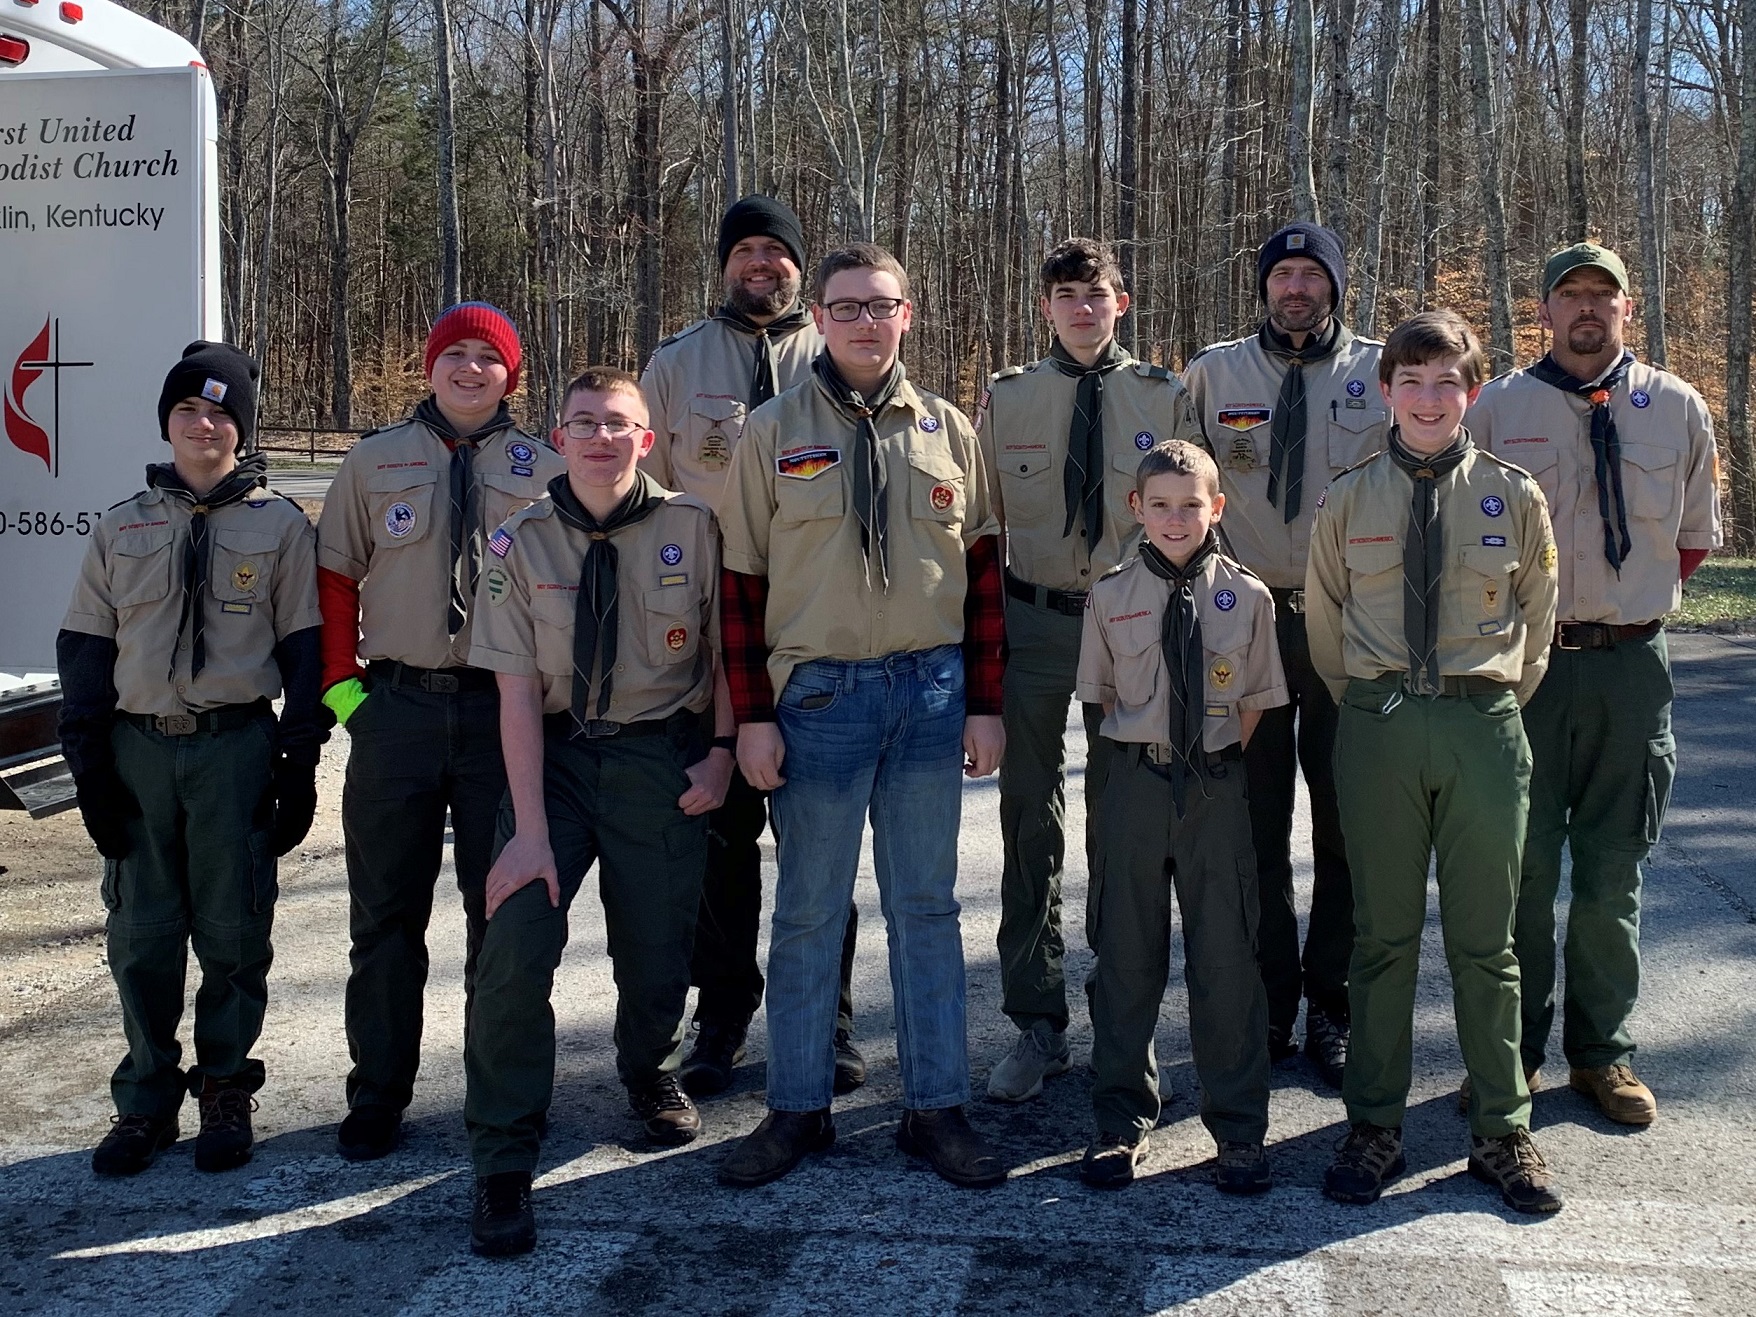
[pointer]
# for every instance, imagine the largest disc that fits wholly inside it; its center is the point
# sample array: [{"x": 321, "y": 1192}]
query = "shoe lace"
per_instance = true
[
  {"x": 1233, "y": 1153},
  {"x": 1363, "y": 1145},
  {"x": 1523, "y": 1151},
  {"x": 132, "y": 1126},
  {"x": 497, "y": 1196},
  {"x": 1620, "y": 1075},
  {"x": 224, "y": 1111},
  {"x": 665, "y": 1095}
]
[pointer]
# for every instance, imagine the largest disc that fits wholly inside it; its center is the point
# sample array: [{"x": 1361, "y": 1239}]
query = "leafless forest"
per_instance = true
[{"x": 568, "y": 159}]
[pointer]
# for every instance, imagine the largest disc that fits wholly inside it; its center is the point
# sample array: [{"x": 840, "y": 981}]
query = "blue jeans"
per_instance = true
[{"x": 884, "y": 735}]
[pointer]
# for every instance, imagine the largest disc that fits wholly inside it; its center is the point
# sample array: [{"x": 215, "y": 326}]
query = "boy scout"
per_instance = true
[
  {"x": 1063, "y": 437},
  {"x": 701, "y": 383},
  {"x": 1179, "y": 651},
  {"x": 196, "y": 606},
  {"x": 1625, "y": 454},
  {"x": 862, "y": 622},
  {"x": 1285, "y": 410},
  {"x": 399, "y": 551},
  {"x": 1431, "y": 593},
  {"x": 598, "y": 612}
]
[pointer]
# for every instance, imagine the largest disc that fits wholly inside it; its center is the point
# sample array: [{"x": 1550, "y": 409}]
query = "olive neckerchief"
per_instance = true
[
  {"x": 466, "y": 513},
  {"x": 763, "y": 377}
]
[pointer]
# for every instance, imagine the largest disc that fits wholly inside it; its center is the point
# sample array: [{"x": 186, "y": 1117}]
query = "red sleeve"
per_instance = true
[
  {"x": 984, "y": 628},
  {"x": 1692, "y": 558},
  {"x": 743, "y": 630},
  {"x": 338, "y": 599}
]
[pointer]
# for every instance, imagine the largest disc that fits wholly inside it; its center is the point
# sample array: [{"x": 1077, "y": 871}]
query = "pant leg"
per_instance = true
[
  {"x": 1270, "y": 766},
  {"x": 1132, "y": 933},
  {"x": 844, "y": 1002},
  {"x": 1481, "y": 769},
  {"x": 476, "y": 783},
  {"x": 724, "y": 964},
  {"x": 1041, "y": 668},
  {"x": 1329, "y": 936},
  {"x": 917, "y": 800},
  {"x": 1548, "y": 724}
]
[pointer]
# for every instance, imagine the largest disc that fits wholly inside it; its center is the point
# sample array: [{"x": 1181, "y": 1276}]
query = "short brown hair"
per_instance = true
[
  {"x": 1434, "y": 336},
  {"x": 857, "y": 256},
  {"x": 602, "y": 379},
  {"x": 1081, "y": 260},
  {"x": 1176, "y": 457}
]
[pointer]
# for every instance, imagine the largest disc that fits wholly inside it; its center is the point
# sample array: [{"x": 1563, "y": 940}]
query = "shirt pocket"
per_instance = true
[
  {"x": 1355, "y": 433},
  {"x": 1134, "y": 647},
  {"x": 140, "y": 567},
  {"x": 1381, "y": 556},
  {"x": 1243, "y": 441},
  {"x": 1225, "y": 641},
  {"x": 1541, "y": 462},
  {"x": 1649, "y": 479},
  {"x": 936, "y": 488},
  {"x": 811, "y": 498},
  {"x": 1482, "y": 593},
  {"x": 673, "y": 625},
  {"x": 551, "y": 619},
  {"x": 1028, "y": 490},
  {"x": 504, "y": 495},
  {"x": 243, "y": 566},
  {"x": 402, "y": 506},
  {"x": 715, "y": 426}
]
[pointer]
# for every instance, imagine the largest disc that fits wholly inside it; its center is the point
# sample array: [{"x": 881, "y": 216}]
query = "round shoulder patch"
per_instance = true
[
  {"x": 1225, "y": 600},
  {"x": 1143, "y": 440},
  {"x": 399, "y": 520},
  {"x": 1356, "y": 388},
  {"x": 671, "y": 554},
  {"x": 929, "y": 423},
  {"x": 1640, "y": 398},
  {"x": 1493, "y": 505}
]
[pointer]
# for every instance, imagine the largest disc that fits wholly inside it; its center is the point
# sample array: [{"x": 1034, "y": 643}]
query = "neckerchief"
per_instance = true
[
  {"x": 763, "y": 377},
  {"x": 870, "y": 503},
  {"x": 1423, "y": 555},
  {"x": 1185, "y": 660},
  {"x": 466, "y": 512},
  {"x": 1606, "y": 447},
  {"x": 245, "y": 479},
  {"x": 1286, "y": 463},
  {"x": 1082, "y": 474},
  {"x": 597, "y": 609}
]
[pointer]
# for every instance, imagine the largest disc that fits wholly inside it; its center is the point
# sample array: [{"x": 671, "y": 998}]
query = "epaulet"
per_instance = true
[
  {"x": 384, "y": 429},
  {"x": 679, "y": 500},
  {"x": 1239, "y": 567},
  {"x": 136, "y": 494},
  {"x": 680, "y": 335},
  {"x": 1363, "y": 462},
  {"x": 1120, "y": 567},
  {"x": 500, "y": 542},
  {"x": 1211, "y": 347},
  {"x": 1499, "y": 461},
  {"x": 1153, "y": 371},
  {"x": 1008, "y": 372}
]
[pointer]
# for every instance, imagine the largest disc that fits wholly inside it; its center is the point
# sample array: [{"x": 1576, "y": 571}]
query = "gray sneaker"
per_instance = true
[{"x": 1039, "y": 1053}]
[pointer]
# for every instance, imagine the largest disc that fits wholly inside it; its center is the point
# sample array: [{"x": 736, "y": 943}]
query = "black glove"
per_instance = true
[
  {"x": 106, "y": 806},
  {"x": 295, "y": 803}
]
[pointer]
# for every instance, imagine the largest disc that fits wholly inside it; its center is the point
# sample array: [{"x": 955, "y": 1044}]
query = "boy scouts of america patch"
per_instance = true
[
  {"x": 929, "y": 423},
  {"x": 497, "y": 584},
  {"x": 803, "y": 463},
  {"x": 399, "y": 520},
  {"x": 676, "y": 638},
  {"x": 244, "y": 577},
  {"x": 1549, "y": 557},
  {"x": 500, "y": 543},
  {"x": 520, "y": 453},
  {"x": 671, "y": 555},
  {"x": 1220, "y": 672},
  {"x": 1225, "y": 601},
  {"x": 1355, "y": 388},
  {"x": 214, "y": 390},
  {"x": 943, "y": 496},
  {"x": 1493, "y": 505},
  {"x": 1143, "y": 440}
]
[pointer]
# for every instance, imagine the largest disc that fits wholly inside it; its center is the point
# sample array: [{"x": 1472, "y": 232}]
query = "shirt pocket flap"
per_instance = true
[
  {"x": 1382, "y": 554},
  {"x": 243, "y": 562},
  {"x": 938, "y": 486},
  {"x": 811, "y": 497},
  {"x": 1649, "y": 457},
  {"x": 1135, "y": 636},
  {"x": 1529, "y": 457},
  {"x": 718, "y": 411},
  {"x": 1031, "y": 463},
  {"x": 1355, "y": 433},
  {"x": 409, "y": 477},
  {"x": 1127, "y": 461},
  {"x": 140, "y": 566},
  {"x": 673, "y": 628},
  {"x": 1358, "y": 419},
  {"x": 528, "y": 488},
  {"x": 1490, "y": 559},
  {"x": 1226, "y": 632}
]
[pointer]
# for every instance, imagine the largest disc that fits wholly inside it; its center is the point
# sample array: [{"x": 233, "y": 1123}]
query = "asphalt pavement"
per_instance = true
[{"x": 1660, "y": 1221}]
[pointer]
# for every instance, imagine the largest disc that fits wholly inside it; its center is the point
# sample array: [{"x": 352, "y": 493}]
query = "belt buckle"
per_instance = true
[
  {"x": 1159, "y": 752},
  {"x": 439, "y": 683},
  {"x": 1295, "y": 601},
  {"x": 176, "y": 724},
  {"x": 596, "y": 728},
  {"x": 1561, "y": 629}
]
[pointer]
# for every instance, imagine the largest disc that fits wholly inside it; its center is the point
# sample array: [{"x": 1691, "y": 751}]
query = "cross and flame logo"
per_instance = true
[{"x": 42, "y": 355}]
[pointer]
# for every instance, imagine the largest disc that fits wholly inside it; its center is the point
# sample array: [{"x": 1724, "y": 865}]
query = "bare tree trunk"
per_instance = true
[
  {"x": 197, "y": 23},
  {"x": 1230, "y": 128},
  {"x": 1303, "y": 56},
  {"x": 1741, "y": 448},
  {"x": 1578, "y": 218},
  {"x": 276, "y": 47},
  {"x": 1432, "y": 156},
  {"x": 1095, "y": 13},
  {"x": 1341, "y": 117},
  {"x": 1494, "y": 261},
  {"x": 1652, "y": 281},
  {"x": 728, "y": 101},
  {"x": 1127, "y": 161},
  {"x": 1372, "y": 248},
  {"x": 1065, "y": 170},
  {"x": 450, "y": 251}
]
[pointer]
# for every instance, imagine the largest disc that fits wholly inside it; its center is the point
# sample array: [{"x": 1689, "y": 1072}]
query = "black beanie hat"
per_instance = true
[
  {"x": 1303, "y": 238},
  {"x": 761, "y": 217},
  {"x": 221, "y": 374}
]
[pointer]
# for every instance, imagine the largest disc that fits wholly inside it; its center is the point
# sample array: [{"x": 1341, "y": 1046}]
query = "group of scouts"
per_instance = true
[{"x": 775, "y": 582}]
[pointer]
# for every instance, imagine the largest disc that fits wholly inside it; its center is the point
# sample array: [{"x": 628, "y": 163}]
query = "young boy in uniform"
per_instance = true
[
  {"x": 1430, "y": 601},
  {"x": 598, "y": 611},
  {"x": 1179, "y": 650},
  {"x": 196, "y": 606}
]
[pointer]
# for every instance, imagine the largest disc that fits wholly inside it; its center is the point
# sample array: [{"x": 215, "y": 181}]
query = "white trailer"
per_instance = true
[{"x": 109, "y": 265}]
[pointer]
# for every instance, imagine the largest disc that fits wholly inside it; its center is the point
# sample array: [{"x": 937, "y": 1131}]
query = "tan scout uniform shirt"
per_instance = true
[
  {"x": 667, "y": 631},
  {"x": 1496, "y": 593},
  {"x": 1668, "y": 486},
  {"x": 1122, "y": 662},
  {"x": 386, "y": 523},
  {"x": 788, "y": 515},
  {"x": 696, "y": 386},
  {"x": 263, "y": 587},
  {"x": 1024, "y": 420},
  {"x": 1236, "y": 387}
]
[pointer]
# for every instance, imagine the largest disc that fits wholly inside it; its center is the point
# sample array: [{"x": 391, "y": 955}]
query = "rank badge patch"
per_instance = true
[
  {"x": 244, "y": 577},
  {"x": 1220, "y": 672},
  {"x": 942, "y": 497}
]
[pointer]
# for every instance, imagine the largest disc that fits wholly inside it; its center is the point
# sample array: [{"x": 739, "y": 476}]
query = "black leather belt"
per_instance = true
[
  {"x": 1293, "y": 601},
  {"x": 1399, "y": 681},
  {"x": 1070, "y": 602},
  {"x": 435, "y": 681},
  {"x": 1160, "y": 754},
  {"x": 597, "y": 729},
  {"x": 226, "y": 718},
  {"x": 1602, "y": 635}
]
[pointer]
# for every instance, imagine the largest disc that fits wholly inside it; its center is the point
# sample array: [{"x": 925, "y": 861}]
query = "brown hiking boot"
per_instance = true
[
  {"x": 1514, "y": 1166},
  {"x": 1366, "y": 1160},
  {"x": 1618, "y": 1094},
  {"x": 779, "y": 1143},
  {"x": 945, "y": 1139},
  {"x": 1533, "y": 1080}
]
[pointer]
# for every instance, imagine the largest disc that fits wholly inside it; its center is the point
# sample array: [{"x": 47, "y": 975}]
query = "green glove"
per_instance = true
[{"x": 343, "y": 698}]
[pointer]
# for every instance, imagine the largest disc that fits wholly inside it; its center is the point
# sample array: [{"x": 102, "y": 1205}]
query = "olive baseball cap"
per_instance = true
[{"x": 1580, "y": 256}]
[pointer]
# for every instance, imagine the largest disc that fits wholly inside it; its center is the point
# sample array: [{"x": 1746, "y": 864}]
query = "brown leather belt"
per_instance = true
[{"x": 1602, "y": 635}]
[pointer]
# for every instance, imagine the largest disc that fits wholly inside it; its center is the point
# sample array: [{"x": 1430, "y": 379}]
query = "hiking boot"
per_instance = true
[
  {"x": 1618, "y": 1094},
  {"x": 850, "y": 1066},
  {"x": 670, "y": 1118},
  {"x": 225, "y": 1137},
  {"x": 945, "y": 1139},
  {"x": 1365, "y": 1161},
  {"x": 502, "y": 1224},
  {"x": 133, "y": 1144},
  {"x": 370, "y": 1131},
  {"x": 708, "y": 1068},
  {"x": 1514, "y": 1166},
  {"x": 1326, "y": 1044},
  {"x": 1111, "y": 1159},
  {"x": 1040, "y": 1052},
  {"x": 1533, "y": 1080},
  {"x": 779, "y": 1143},
  {"x": 1281, "y": 1046},
  {"x": 1243, "y": 1169}
]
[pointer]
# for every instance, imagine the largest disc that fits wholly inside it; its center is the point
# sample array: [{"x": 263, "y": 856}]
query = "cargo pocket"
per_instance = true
[
  {"x": 402, "y": 505},
  {"x": 1355, "y": 433},
  {"x": 715, "y": 426},
  {"x": 243, "y": 568},
  {"x": 1030, "y": 494},
  {"x": 140, "y": 567},
  {"x": 1649, "y": 479},
  {"x": 935, "y": 488},
  {"x": 810, "y": 498},
  {"x": 1481, "y": 593},
  {"x": 673, "y": 625},
  {"x": 111, "y": 887},
  {"x": 264, "y": 885},
  {"x": 1661, "y": 773},
  {"x": 1134, "y": 646}
]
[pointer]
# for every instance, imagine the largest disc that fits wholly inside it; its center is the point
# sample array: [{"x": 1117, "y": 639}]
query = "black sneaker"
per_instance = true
[
  {"x": 370, "y": 1131},
  {"x": 708, "y": 1068},
  {"x": 502, "y": 1224},
  {"x": 1243, "y": 1169},
  {"x": 670, "y": 1118},
  {"x": 1281, "y": 1046},
  {"x": 225, "y": 1138},
  {"x": 1514, "y": 1166},
  {"x": 1111, "y": 1159},
  {"x": 1365, "y": 1161},
  {"x": 1326, "y": 1044},
  {"x": 850, "y": 1066},
  {"x": 133, "y": 1144}
]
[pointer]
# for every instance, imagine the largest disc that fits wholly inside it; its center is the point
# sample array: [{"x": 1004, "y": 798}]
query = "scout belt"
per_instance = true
[
  {"x": 1070, "y": 602},
  {"x": 1398, "y": 684},
  {"x": 225, "y": 718},
  {"x": 435, "y": 681},
  {"x": 1160, "y": 754},
  {"x": 1601, "y": 635},
  {"x": 597, "y": 729},
  {"x": 1291, "y": 601}
]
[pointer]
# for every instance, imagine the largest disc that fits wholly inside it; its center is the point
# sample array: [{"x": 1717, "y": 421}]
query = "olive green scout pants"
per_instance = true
[
  {"x": 1604, "y": 759},
  {"x": 201, "y": 871},
  {"x": 1207, "y": 855},
  {"x": 612, "y": 801},
  {"x": 1041, "y": 666},
  {"x": 1417, "y": 775}
]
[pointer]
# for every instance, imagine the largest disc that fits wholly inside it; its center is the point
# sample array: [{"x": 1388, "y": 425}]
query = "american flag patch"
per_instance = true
[{"x": 500, "y": 543}]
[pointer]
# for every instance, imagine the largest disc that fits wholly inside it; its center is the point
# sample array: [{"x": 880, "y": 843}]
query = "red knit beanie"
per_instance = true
[{"x": 476, "y": 320}]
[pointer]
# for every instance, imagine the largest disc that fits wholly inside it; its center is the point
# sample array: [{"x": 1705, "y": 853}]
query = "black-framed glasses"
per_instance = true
[
  {"x": 879, "y": 308},
  {"x": 581, "y": 427}
]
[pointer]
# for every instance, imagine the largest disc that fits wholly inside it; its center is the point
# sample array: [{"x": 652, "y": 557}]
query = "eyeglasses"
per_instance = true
[
  {"x": 879, "y": 308},
  {"x": 580, "y": 427}
]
